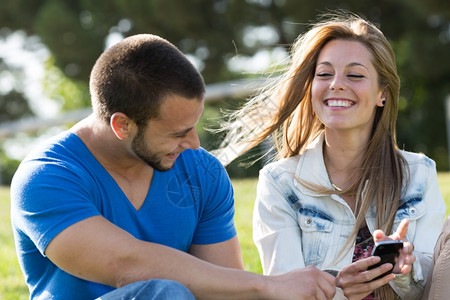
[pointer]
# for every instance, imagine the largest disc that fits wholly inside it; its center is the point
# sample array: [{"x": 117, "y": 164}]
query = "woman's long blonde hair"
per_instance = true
[{"x": 283, "y": 111}]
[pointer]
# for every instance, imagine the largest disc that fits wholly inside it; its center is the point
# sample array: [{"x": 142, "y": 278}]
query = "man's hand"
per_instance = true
[{"x": 305, "y": 283}]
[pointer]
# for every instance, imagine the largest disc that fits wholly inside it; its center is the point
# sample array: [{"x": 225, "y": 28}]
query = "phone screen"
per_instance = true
[{"x": 388, "y": 251}]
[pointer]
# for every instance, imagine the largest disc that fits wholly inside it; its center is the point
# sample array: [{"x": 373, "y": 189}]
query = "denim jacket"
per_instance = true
[{"x": 294, "y": 227}]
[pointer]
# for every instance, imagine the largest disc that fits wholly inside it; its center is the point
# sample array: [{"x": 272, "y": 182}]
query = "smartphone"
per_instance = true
[{"x": 388, "y": 251}]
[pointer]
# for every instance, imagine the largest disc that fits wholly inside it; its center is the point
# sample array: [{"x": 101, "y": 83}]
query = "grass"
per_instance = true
[
  {"x": 444, "y": 186},
  {"x": 244, "y": 198},
  {"x": 12, "y": 285}
]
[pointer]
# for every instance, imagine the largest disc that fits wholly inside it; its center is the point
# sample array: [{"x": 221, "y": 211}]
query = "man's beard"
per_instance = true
[{"x": 138, "y": 146}]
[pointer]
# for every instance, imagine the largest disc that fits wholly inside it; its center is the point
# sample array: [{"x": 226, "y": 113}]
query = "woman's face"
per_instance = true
[{"x": 345, "y": 89}]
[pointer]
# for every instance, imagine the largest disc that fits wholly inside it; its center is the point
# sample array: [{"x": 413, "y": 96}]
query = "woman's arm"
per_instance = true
[
  {"x": 424, "y": 235},
  {"x": 276, "y": 232}
]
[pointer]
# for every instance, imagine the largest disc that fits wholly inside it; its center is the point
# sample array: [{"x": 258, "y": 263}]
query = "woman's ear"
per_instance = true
[
  {"x": 382, "y": 101},
  {"x": 120, "y": 125}
]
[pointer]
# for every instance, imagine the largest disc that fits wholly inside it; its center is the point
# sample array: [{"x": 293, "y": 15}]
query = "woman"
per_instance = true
[{"x": 340, "y": 182}]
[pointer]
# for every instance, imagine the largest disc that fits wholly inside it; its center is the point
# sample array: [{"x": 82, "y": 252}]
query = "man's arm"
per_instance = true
[
  {"x": 226, "y": 254},
  {"x": 94, "y": 249}
]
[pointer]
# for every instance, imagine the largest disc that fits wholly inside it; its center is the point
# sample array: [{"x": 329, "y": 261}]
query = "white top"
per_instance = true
[{"x": 294, "y": 227}]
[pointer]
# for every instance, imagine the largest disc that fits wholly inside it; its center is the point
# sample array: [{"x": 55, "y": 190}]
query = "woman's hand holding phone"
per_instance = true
[
  {"x": 388, "y": 251},
  {"x": 357, "y": 280},
  {"x": 406, "y": 257}
]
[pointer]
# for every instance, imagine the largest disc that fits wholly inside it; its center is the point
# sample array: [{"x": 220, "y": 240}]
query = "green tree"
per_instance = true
[
  {"x": 216, "y": 32},
  {"x": 13, "y": 106}
]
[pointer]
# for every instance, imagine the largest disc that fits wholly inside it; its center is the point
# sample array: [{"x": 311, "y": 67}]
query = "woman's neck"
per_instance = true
[
  {"x": 343, "y": 152},
  {"x": 343, "y": 157}
]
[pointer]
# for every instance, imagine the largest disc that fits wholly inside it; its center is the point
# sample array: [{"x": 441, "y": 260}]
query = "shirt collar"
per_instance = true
[{"x": 311, "y": 167}]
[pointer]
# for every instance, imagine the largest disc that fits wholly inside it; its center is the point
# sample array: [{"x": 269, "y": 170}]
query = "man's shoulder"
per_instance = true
[
  {"x": 54, "y": 145},
  {"x": 61, "y": 153}
]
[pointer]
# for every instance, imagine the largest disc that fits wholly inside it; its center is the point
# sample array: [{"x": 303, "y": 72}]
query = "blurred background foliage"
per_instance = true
[{"x": 226, "y": 39}]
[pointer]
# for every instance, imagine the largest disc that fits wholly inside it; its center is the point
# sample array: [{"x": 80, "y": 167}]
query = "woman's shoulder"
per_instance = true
[
  {"x": 414, "y": 158},
  {"x": 283, "y": 165}
]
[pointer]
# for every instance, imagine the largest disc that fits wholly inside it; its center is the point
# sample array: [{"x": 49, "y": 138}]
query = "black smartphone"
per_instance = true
[{"x": 388, "y": 251}]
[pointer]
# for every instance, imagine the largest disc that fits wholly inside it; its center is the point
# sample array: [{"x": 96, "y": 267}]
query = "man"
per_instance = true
[{"x": 127, "y": 204}]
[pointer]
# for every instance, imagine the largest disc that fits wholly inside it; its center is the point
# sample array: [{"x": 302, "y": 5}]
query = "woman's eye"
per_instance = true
[
  {"x": 355, "y": 76},
  {"x": 323, "y": 74}
]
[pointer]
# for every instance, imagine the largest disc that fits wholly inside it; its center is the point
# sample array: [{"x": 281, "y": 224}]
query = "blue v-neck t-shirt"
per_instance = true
[{"x": 62, "y": 183}]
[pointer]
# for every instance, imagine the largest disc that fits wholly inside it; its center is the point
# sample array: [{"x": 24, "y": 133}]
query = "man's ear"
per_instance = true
[{"x": 120, "y": 125}]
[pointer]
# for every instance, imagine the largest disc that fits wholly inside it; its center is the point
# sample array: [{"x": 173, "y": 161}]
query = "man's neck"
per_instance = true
[
  {"x": 131, "y": 174},
  {"x": 113, "y": 154}
]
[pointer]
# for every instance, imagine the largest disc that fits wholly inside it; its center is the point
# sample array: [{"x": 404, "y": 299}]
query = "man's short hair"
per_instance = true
[{"x": 137, "y": 74}]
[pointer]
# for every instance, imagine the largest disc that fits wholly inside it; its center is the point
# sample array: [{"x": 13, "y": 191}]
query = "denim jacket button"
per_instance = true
[
  {"x": 308, "y": 222},
  {"x": 412, "y": 210}
]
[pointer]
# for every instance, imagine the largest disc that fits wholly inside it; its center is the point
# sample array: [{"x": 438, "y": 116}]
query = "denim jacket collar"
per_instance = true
[{"x": 311, "y": 167}]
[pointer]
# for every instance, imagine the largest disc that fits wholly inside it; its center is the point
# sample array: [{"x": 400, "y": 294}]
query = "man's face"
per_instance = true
[{"x": 173, "y": 131}]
